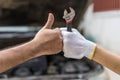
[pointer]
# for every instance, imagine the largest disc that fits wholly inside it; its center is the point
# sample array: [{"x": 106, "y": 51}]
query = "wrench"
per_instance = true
[{"x": 69, "y": 18}]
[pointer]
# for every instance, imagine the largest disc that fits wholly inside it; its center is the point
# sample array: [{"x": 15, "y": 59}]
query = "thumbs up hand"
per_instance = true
[{"x": 48, "y": 41}]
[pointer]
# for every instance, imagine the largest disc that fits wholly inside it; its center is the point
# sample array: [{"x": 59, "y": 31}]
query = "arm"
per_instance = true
[
  {"x": 108, "y": 59},
  {"x": 16, "y": 55},
  {"x": 76, "y": 46},
  {"x": 45, "y": 42}
]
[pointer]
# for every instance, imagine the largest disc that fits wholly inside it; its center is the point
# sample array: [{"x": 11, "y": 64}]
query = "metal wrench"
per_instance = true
[{"x": 69, "y": 18}]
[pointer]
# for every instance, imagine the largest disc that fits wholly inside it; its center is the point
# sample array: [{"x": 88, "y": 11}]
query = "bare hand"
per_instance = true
[{"x": 48, "y": 41}]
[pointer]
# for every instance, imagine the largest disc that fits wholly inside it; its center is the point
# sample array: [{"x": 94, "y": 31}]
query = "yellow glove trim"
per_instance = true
[{"x": 93, "y": 52}]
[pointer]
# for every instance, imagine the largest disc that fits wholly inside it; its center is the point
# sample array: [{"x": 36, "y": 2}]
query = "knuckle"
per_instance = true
[{"x": 57, "y": 29}]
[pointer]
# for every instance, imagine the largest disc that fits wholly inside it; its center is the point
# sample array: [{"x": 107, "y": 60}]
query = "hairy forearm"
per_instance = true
[
  {"x": 16, "y": 55},
  {"x": 108, "y": 59}
]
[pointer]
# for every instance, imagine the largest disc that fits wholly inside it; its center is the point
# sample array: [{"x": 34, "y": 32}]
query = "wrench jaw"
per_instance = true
[{"x": 69, "y": 16}]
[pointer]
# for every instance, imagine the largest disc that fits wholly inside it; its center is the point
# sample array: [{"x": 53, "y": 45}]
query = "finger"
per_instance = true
[
  {"x": 50, "y": 21},
  {"x": 63, "y": 29},
  {"x": 60, "y": 36}
]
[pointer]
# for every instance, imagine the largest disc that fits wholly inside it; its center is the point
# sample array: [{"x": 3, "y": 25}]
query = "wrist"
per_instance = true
[
  {"x": 36, "y": 49},
  {"x": 90, "y": 50}
]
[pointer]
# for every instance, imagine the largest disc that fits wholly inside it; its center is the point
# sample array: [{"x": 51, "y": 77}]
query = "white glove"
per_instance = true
[{"x": 75, "y": 45}]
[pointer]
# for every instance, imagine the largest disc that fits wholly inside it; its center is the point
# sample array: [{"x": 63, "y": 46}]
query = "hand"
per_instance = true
[
  {"x": 75, "y": 45},
  {"x": 48, "y": 41}
]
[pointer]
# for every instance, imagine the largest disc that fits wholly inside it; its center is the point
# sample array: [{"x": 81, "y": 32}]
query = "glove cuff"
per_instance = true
[{"x": 91, "y": 50}]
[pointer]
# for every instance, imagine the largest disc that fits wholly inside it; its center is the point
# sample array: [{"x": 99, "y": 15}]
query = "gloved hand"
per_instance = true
[{"x": 76, "y": 46}]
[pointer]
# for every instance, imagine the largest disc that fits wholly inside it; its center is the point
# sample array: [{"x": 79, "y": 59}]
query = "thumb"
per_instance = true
[{"x": 50, "y": 21}]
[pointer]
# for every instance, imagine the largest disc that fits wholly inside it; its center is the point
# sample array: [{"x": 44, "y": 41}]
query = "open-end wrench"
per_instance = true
[{"x": 69, "y": 18}]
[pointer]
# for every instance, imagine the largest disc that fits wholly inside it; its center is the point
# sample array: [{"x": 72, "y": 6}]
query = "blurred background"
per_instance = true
[{"x": 97, "y": 20}]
